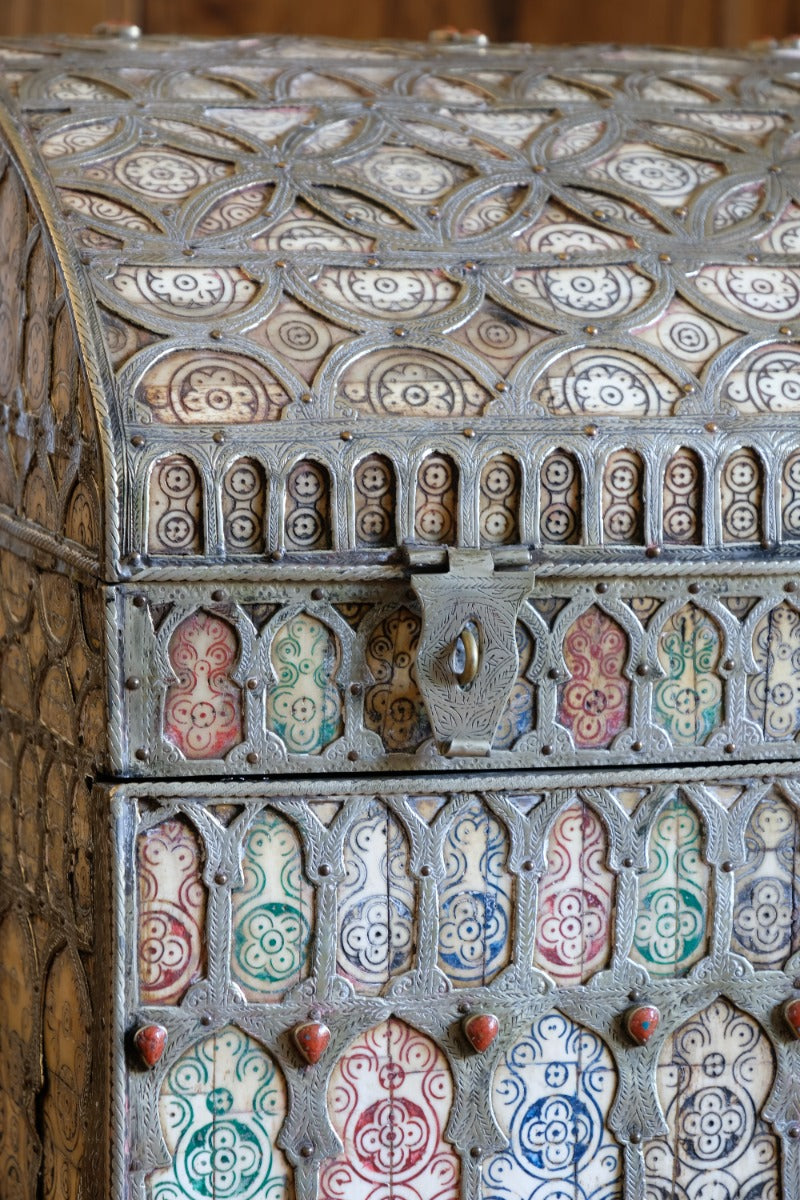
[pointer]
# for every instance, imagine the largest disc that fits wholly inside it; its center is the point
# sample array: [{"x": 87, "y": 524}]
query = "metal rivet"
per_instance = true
[
  {"x": 727, "y": 865},
  {"x": 464, "y": 1007},
  {"x": 216, "y": 334},
  {"x": 280, "y": 264},
  {"x": 653, "y": 551},
  {"x": 796, "y": 983},
  {"x": 634, "y": 994},
  {"x": 711, "y": 426},
  {"x": 142, "y": 755},
  {"x": 307, "y": 1150},
  {"x": 730, "y": 748},
  {"x": 641, "y": 669},
  {"x": 689, "y": 389},
  {"x": 352, "y": 755},
  {"x": 317, "y": 593},
  {"x": 372, "y": 262},
  {"x": 400, "y": 331},
  {"x": 546, "y": 750},
  {"x": 356, "y": 689},
  {"x": 636, "y": 746},
  {"x": 527, "y": 865},
  {"x": 252, "y": 757},
  {"x": 552, "y": 673},
  {"x": 137, "y": 440},
  {"x": 791, "y": 586},
  {"x": 470, "y": 266},
  {"x": 693, "y": 588},
  {"x": 793, "y": 1131},
  {"x": 306, "y": 397},
  {"x": 601, "y": 588},
  {"x": 728, "y": 665},
  {"x": 346, "y": 435},
  {"x": 475, "y": 1151},
  {"x": 425, "y": 870},
  {"x": 590, "y": 430},
  {"x": 252, "y": 683},
  {"x": 220, "y": 877},
  {"x": 665, "y": 258},
  {"x": 205, "y": 1019},
  {"x": 433, "y": 213},
  {"x": 219, "y": 595},
  {"x": 469, "y": 433},
  {"x": 501, "y": 386},
  {"x": 627, "y": 861},
  {"x": 636, "y": 1137},
  {"x": 591, "y": 330},
  {"x": 133, "y": 683},
  {"x": 324, "y": 869},
  {"x": 785, "y": 330},
  {"x": 218, "y": 436},
  {"x": 278, "y": 555},
  {"x": 139, "y": 601}
]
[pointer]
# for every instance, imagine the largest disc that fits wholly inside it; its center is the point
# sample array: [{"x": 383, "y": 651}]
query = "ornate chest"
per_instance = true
[{"x": 400, "y": 638}]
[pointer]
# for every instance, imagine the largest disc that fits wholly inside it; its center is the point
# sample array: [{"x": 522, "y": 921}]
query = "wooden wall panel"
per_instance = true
[{"x": 681, "y": 22}]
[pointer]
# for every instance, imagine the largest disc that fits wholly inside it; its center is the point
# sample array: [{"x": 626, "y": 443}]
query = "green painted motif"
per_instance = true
[
  {"x": 673, "y": 894},
  {"x": 688, "y": 701},
  {"x": 272, "y": 913},
  {"x": 305, "y": 707},
  {"x": 221, "y": 1108}
]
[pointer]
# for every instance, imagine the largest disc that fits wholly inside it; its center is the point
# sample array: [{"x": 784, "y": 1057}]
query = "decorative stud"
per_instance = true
[
  {"x": 312, "y": 1039},
  {"x": 150, "y": 1041},
  {"x": 791, "y": 1011},
  {"x": 480, "y": 1030},
  {"x": 641, "y": 1023}
]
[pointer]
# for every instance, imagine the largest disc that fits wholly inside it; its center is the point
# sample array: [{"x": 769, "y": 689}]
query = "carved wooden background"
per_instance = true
[{"x": 686, "y": 22}]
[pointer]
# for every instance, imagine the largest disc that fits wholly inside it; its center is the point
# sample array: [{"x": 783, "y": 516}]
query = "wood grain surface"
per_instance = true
[{"x": 686, "y": 22}]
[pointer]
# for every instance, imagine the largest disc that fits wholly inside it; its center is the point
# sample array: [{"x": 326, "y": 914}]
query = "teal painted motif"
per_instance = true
[
  {"x": 673, "y": 894},
  {"x": 221, "y": 1108},
  {"x": 688, "y": 701},
  {"x": 272, "y": 913},
  {"x": 305, "y": 706}
]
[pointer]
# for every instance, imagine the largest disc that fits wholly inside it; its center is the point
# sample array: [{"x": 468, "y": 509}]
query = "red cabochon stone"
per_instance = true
[
  {"x": 311, "y": 1039},
  {"x": 480, "y": 1030},
  {"x": 150, "y": 1041},
  {"x": 791, "y": 1010},
  {"x": 642, "y": 1022}
]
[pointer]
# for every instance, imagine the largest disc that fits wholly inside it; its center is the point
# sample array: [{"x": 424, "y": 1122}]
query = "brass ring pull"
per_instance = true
[{"x": 466, "y": 658}]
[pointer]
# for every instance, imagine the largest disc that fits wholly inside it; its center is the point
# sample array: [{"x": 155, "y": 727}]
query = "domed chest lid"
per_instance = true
[{"x": 349, "y": 297}]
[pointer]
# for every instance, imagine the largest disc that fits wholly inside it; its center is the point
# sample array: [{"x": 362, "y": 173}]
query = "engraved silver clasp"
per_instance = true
[{"x": 467, "y": 659}]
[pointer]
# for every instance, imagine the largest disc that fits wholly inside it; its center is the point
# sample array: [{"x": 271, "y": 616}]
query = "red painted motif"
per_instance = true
[
  {"x": 312, "y": 1039},
  {"x": 203, "y": 710},
  {"x": 594, "y": 702},
  {"x": 150, "y": 1041},
  {"x": 172, "y": 904},
  {"x": 480, "y": 1030},
  {"x": 573, "y": 927},
  {"x": 390, "y": 1098},
  {"x": 642, "y": 1022}
]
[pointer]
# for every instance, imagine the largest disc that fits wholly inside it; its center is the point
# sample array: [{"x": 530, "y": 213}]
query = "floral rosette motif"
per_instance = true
[
  {"x": 304, "y": 707},
  {"x": 688, "y": 702},
  {"x": 202, "y": 711},
  {"x": 594, "y": 703}
]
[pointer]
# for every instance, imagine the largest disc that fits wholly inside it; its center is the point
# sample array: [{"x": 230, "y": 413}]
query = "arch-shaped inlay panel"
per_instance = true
[
  {"x": 714, "y": 1075},
  {"x": 375, "y": 501},
  {"x": 500, "y": 494},
  {"x": 377, "y": 902},
  {"x": 688, "y": 699},
  {"x": 221, "y": 1107},
  {"x": 244, "y": 498},
  {"x": 741, "y": 493},
  {"x": 175, "y": 513},
  {"x": 305, "y": 706},
  {"x": 774, "y": 693},
  {"x": 790, "y": 497},
  {"x": 389, "y": 1099},
  {"x": 172, "y": 911},
  {"x": 307, "y": 508},
  {"x": 273, "y": 913},
  {"x": 594, "y": 702},
  {"x": 203, "y": 709},
  {"x": 66, "y": 1047},
  {"x": 475, "y": 899},
  {"x": 683, "y": 499},
  {"x": 766, "y": 915},
  {"x": 576, "y": 898},
  {"x": 551, "y": 1095},
  {"x": 560, "y": 498},
  {"x": 393, "y": 704},
  {"x": 623, "y": 505},
  {"x": 674, "y": 894},
  {"x": 436, "y": 501}
]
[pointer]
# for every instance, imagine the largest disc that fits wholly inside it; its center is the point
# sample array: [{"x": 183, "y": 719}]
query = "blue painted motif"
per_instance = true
[{"x": 552, "y": 1094}]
